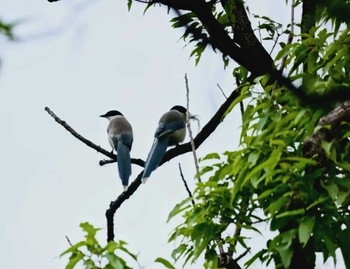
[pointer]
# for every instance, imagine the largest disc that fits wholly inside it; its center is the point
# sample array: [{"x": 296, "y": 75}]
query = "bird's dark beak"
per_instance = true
[{"x": 103, "y": 116}]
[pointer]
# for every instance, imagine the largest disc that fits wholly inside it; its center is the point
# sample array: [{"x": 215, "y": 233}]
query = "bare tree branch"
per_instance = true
[
  {"x": 186, "y": 186},
  {"x": 222, "y": 91},
  {"x": 88, "y": 142}
]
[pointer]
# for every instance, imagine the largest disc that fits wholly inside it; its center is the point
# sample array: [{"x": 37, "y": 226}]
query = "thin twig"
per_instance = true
[
  {"x": 89, "y": 143},
  {"x": 259, "y": 30},
  {"x": 290, "y": 37},
  {"x": 190, "y": 130},
  {"x": 222, "y": 91},
  {"x": 275, "y": 43},
  {"x": 242, "y": 255},
  {"x": 69, "y": 242},
  {"x": 186, "y": 186}
]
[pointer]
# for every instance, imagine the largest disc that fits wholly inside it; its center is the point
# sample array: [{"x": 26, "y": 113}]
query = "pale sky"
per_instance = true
[{"x": 81, "y": 59}]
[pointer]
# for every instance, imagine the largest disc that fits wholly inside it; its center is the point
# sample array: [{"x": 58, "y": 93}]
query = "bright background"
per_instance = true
[{"x": 81, "y": 59}]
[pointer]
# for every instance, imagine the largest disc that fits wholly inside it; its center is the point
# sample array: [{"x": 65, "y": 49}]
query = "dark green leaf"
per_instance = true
[{"x": 305, "y": 229}]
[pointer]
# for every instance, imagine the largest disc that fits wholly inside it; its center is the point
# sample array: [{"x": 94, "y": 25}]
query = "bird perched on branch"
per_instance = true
[
  {"x": 120, "y": 137},
  {"x": 171, "y": 131}
]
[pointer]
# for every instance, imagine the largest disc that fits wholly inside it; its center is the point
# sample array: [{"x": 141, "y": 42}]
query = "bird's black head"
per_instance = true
[
  {"x": 181, "y": 109},
  {"x": 112, "y": 113}
]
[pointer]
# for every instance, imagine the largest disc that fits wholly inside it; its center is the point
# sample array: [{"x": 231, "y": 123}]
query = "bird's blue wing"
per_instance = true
[
  {"x": 123, "y": 146},
  {"x": 127, "y": 140},
  {"x": 167, "y": 128},
  {"x": 155, "y": 156}
]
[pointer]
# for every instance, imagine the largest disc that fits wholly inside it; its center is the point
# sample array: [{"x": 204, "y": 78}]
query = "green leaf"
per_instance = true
[
  {"x": 182, "y": 20},
  {"x": 319, "y": 201},
  {"x": 111, "y": 246},
  {"x": 211, "y": 259},
  {"x": 327, "y": 146},
  {"x": 210, "y": 156},
  {"x": 253, "y": 157},
  {"x": 179, "y": 251},
  {"x": 238, "y": 184},
  {"x": 129, "y": 4},
  {"x": 89, "y": 229},
  {"x": 243, "y": 95},
  {"x": 344, "y": 244},
  {"x": 301, "y": 160},
  {"x": 202, "y": 234},
  {"x": 305, "y": 229},
  {"x": 74, "y": 259},
  {"x": 258, "y": 255},
  {"x": 204, "y": 170},
  {"x": 267, "y": 165},
  {"x": 331, "y": 188},
  {"x": 89, "y": 264},
  {"x": 200, "y": 47},
  {"x": 114, "y": 261},
  {"x": 286, "y": 50},
  {"x": 180, "y": 207},
  {"x": 134, "y": 256},
  {"x": 74, "y": 248},
  {"x": 275, "y": 206},
  {"x": 291, "y": 213},
  {"x": 282, "y": 243},
  {"x": 166, "y": 263},
  {"x": 329, "y": 241}
]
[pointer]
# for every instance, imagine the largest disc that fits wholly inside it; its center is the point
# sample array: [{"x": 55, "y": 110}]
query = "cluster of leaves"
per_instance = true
[
  {"x": 194, "y": 31},
  {"x": 92, "y": 255},
  {"x": 335, "y": 11},
  {"x": 321, "y": 60},
  {"x": 270, "y": 26}
]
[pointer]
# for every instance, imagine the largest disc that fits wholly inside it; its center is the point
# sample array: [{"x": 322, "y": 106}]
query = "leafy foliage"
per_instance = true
[
  {"x": 271, "y": 179},
  {"x": 91, "y": 255},
  {"x": 321, "y": 60},
  {"x": 300, "y": 198},
  {"x": 114, "y": 255},
  {"x": 194, "y": 30}
]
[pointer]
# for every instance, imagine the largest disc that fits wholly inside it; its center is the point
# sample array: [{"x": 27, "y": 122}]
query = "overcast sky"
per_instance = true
[{"x": 81, "y": 59}]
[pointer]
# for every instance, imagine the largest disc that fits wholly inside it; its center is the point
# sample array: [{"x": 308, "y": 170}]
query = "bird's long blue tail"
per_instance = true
[
  {"x": 124, "y": 163},
  {"x": 155, "y": 156}
]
